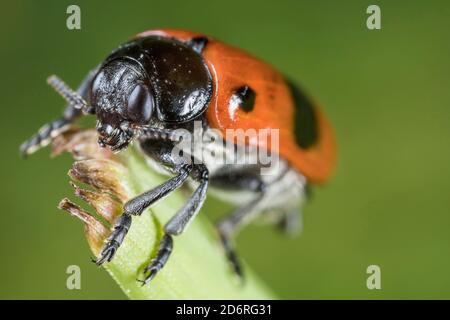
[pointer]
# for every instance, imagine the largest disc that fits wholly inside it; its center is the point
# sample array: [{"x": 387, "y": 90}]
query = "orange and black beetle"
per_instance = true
[{"x": 166, "y": 80}]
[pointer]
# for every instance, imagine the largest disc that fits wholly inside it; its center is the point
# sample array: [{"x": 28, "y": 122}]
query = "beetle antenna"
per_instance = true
[
  {"x": 67, "y": 93},
  {"x": 164, "y": 134}
]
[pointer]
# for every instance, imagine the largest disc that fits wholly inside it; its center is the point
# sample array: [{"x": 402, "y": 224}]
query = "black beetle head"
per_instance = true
[{"x": 122, "y": 98}]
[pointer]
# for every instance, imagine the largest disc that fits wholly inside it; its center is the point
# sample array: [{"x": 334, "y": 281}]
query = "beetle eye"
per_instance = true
[
  {"x": 96, "y": 84},
  {"x": 140, "y": 104}
]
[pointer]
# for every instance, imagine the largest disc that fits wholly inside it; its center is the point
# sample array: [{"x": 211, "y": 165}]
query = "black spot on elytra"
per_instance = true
[
  {"x": 246, "y": 98},
  {"x": 306, "y": 130}
]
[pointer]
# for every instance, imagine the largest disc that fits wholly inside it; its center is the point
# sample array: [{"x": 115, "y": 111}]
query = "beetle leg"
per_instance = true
[
  {"x": 54, "y": 128},
  {"x": 136, "y": 206},
  {"x": 246, "y": 179},
  {"x": 164, "y": 251},
  {"x": 179, "y": 222},
  {"x": 229, "y": 226},
  {"x": 115, "y": 239},
  {"x": 291, "y": 222}
]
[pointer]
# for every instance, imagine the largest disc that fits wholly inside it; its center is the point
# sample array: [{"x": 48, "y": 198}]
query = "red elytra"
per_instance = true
[{"x": 273, "y": 109}]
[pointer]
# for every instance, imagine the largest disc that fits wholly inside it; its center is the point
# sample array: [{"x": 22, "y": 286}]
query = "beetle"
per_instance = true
[{"x": 165, "y": 80}]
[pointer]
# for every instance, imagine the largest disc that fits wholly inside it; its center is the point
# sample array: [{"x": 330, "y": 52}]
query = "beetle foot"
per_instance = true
[
  {"x": 231, "y": 255},
  {"x": 164, "y": 251},
  {"x": 116, "y": 238},
  {"x": 107, "y": 253},
  {"x": 151, "y": 270}
]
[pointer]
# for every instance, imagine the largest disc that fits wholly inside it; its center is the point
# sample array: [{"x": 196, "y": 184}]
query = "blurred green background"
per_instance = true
[{"x": 387, "y": 93}]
